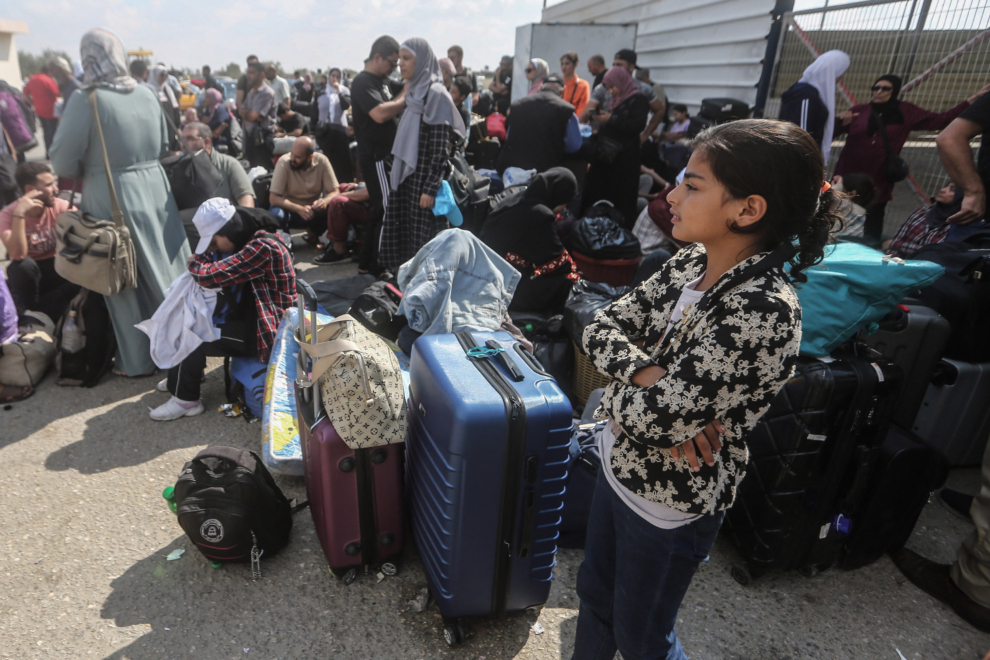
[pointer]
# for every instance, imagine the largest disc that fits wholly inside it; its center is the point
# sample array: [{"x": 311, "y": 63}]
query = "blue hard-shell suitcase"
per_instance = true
[{"x": 486, "y": 467}]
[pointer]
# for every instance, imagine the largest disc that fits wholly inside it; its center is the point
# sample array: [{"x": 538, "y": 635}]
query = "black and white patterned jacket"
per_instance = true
[{"x": 726, "y": 360}]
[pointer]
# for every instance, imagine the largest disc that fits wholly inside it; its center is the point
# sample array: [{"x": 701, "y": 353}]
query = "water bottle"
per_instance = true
[
  {"x": 73, "y": 340},
  {"x": 169, "y": 495}
]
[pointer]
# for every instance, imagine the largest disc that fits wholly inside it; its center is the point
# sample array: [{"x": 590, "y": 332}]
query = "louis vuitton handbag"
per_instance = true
[
  {"x": 93, "y": 253},
  {"x": 360, "y": 382}
]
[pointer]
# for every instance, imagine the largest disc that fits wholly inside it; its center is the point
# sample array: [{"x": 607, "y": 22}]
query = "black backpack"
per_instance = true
[
  {"x": 87, "y": 366},
  {"x": 262, "y": 185},
  {"x": 229, "y": 505},
  {"x": 193, "y": 177},
  {"x": 377, "y": 309}
]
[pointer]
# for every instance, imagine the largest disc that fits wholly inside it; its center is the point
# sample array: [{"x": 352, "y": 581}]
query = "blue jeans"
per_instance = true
[{"x": 633, "y": 579}]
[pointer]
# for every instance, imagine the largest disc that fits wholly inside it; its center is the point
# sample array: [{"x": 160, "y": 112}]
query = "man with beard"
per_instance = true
[
  {"x": 27, "y": 229},
  {"x": 302, "y": 186},
  {"x": 258, "y": 113}
]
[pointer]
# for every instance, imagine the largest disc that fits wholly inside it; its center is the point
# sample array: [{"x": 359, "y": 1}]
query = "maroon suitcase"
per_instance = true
[{"x": 355, "y": 495}]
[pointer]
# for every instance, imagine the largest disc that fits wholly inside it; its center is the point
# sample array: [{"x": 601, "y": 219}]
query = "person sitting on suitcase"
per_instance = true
[
  {"x": 261, "y": 264},
  {"x": 696, "y": 353}
]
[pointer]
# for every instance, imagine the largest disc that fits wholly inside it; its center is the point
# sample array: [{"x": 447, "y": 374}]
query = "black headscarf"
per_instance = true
[
  {"x": 245, "y": 223},
  {"x": 890, "y": 111},
  {"x": 939, "y": 213}
]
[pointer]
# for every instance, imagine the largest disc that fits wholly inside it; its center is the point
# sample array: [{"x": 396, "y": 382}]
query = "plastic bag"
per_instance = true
[
  {"x": 584, "y": 302},
  {"x": 600, "y": 237}
]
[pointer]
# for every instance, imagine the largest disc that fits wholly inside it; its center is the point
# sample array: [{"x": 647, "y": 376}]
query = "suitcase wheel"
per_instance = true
[
  {"x": 741, "y": 575},
  {"x": 390, "y": 568},
  {"x": 812, "y": 570},
  {"x": 349, "y": 576},
  {"x": 453, "y": 633}
]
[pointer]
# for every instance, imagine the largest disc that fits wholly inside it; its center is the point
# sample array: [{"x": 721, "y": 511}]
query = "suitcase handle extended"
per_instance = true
[{"x": 306, "y": 298}]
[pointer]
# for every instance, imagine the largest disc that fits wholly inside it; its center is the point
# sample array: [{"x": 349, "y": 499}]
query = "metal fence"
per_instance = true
[{"x": 940, "y": 48}]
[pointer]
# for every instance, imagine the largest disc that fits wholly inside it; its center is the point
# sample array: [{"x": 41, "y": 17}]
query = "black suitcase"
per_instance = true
[
  {"x": 907, "y": 471},
  {"x": 962, "y": 295},
  {"x": 805, "y": 454},
  {"x": 914, "y": 338},
  {"x": 482, "y": 155},
  {"x": 721, "y": 110}
]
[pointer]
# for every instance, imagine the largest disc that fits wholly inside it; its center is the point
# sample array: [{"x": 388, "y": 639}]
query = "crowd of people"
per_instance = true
[{"x": 747, "y": 197}]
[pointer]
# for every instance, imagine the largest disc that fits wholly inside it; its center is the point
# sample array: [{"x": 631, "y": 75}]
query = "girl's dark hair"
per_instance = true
[
  {"x": 680, "y": 107},
  {"x": 860, "y": 187},
  {"x": 782, "y": 163}
]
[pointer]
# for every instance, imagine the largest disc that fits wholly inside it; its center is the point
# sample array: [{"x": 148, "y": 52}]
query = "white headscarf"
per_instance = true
[
  {"x": 540, "y": 72},
  {"x": 427, "y": 100},
  {"x": 822, "y": 75},
  {"x": 104, "y": 61},
  {"x": 330, "y": 108},
  {"x": 163, "y": 90}
]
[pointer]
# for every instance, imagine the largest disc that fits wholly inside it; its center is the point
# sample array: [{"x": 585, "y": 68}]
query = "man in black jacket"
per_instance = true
[{"x": 542, "y": 129}]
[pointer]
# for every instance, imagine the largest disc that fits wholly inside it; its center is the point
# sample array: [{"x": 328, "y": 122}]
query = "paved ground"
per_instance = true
[{"x": 85, "y": 532}]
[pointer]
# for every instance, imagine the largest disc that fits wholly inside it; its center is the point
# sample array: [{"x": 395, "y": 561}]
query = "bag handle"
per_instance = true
[{"x": 118, "y": 216}]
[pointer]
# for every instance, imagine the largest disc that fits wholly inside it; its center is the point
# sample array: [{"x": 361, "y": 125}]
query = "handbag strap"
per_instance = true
[
  {"x": 118, "y": 216},
  {"x": 883, "y": 133}
]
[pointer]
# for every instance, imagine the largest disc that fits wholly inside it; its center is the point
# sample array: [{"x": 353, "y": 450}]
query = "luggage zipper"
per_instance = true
[
  {"x": 366, "y": 506},
  {"x": 515, "y": 445},
  {"x": 255, "y": 558}
]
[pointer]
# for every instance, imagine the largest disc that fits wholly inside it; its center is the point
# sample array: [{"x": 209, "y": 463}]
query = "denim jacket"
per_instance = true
[{"x": 454, "y": 283}]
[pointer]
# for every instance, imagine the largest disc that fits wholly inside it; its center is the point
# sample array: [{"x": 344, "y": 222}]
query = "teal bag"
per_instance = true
[{"x": 851, "y": 288}]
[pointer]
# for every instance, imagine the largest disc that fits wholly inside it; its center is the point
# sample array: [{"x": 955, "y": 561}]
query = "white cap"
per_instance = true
[{"x": 210, "y": 217}]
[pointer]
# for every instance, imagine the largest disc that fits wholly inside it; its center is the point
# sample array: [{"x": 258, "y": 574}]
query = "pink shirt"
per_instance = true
[{"x": 40, "y": 231}]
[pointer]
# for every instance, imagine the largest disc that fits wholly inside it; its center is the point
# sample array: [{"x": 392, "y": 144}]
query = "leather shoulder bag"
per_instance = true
[{"x": 93, "y": 253}]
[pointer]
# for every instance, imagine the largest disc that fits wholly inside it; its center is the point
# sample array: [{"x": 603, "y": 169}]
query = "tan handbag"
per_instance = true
[
  {"x": 96, "y": 254},
  {"x": 360, "y": 382},
  {"x": 23, "y": 363}
]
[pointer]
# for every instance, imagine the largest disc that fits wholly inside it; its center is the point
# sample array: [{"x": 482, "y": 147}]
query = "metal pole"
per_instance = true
[
  {"x": 769, "y": 59},
  {"x": 922, "y": 19},
  {"x": 895, "y": 53}
]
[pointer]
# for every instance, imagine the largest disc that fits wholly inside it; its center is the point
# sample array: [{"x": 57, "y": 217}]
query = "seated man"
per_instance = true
[
  {"x": 27, "y": 229},
  {"x": 239, "y": 255},
  {"x": 928, "y": 224},
  {"x": 290, "y": 123},
  {"x": 302, "y": 186},
  {"x": 542, "y": 129},
  {"x": 460, "y": 90},
  {"x": 350, "y": 207}
]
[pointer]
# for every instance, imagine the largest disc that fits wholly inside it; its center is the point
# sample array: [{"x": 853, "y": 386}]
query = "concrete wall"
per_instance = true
[
  {"x": 695, "y": 48},
  {"x": 10, "y": 67}
]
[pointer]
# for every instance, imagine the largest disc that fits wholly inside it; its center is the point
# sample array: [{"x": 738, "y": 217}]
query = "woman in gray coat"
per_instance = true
[{"x": 136, "y": 137}]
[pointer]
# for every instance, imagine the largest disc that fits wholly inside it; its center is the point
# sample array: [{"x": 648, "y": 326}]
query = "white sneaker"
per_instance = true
[
  {"x": 162, "y": 385},
  {"x": 173, "y": 409}
]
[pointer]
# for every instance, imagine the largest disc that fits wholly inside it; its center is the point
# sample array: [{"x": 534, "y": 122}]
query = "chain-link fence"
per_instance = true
[{"x": 940, "y": 48}]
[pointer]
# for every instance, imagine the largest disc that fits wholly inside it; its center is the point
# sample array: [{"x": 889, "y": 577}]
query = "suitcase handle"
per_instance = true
[
  {"x": 507, "y": 362},
  {"x": 306, "y": 298}
]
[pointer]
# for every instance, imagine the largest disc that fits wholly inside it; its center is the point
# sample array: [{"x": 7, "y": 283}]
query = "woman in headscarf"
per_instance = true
[
  {"x": 810, "y": 102},
  {"x": 865, "y": 152},
  {"x": 304, "y": 88},
  {"x": 536, "y": 72},
  {"x": 521, "y": 229},
  {"x": 135, "y": 132},
  {"x": 429, "y": 128},
  {"x": 158, "y": 81},
  {"x": 238, "y": 253},
  {"x": 928, "y": 224},
  {"x": 614, "y": 171},
  {"x": 329, "y": 116},
  {"x": 217, "y": 117}
]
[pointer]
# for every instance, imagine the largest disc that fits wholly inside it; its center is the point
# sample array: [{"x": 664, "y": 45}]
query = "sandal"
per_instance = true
[
  {"x": 117, "y": 371},
  {"x": 13, "y": 394},
  {"x": 313, "y": 240}
]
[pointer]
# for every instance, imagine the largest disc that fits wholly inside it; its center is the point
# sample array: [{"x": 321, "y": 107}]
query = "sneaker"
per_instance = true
[
  {"x": 162, "y": 385},
  {"x": 175, "y": 408},
  {"x": 957, "y": 503},
  {"x": 331, "y": 256}
]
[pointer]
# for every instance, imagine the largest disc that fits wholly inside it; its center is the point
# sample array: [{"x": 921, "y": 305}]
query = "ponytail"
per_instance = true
[{"x": 814, "y": 235}]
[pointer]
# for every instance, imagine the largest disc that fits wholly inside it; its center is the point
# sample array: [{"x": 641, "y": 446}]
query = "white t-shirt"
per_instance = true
[{"x": 654, "y": 513}]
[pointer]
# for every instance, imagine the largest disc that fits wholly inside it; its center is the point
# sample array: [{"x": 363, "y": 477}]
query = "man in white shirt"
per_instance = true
[{"x": 279, "y": 85}]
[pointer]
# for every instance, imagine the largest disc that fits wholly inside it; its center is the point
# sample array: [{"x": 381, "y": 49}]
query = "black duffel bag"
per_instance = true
[
  {"x": 230, "y": 507},
  {"x": 600, "y": 236},
  {"x": 962, "y": 295},
  {"x": 584, "y": 302},
  {"x": 377, "y": 309},
  {"x": 193, "y": 177}
]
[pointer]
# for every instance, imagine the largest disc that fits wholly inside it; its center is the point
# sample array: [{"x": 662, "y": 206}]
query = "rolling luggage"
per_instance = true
[
  {"x": 721, "y": 110},
  {"x": 914, "y": 338},
  {"x": 955, "y": 414},
  {"x": 486, "y": 467},
  {"x": 810, "y": 458},
  {"x": 355, "y": 495},
  {"x": 908, "y": 471}
]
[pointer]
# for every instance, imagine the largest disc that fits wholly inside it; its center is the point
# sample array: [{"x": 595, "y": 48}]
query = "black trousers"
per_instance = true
[
  {"x": 184, "y": 381},
  {"x": 49, "y": 126},
  {"x": 377, "y": 175},
  {"x": 34, "y": 285},
  {"x": 260, "y": 155},
  {"x": 318, "y": 225},
  {"x": 873, "y": 225},
  {"x": 336, "y": 146}
]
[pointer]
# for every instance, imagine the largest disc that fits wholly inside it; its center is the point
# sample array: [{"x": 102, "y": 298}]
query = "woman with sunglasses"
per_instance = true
[
  {"x": 536, "y": 72},
  {"x": 865, "y": 151}
]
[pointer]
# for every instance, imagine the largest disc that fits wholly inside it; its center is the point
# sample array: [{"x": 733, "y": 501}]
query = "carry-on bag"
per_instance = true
[
  {"x": 810, "y": 462},
  {"x": 955, "y": 413},
  {"x": 584, "y": 464},
  {"x": 486, "y": 464},
  {"x": 230, "y": 507},
  {"x": 355, "y": 494},
  {"x": 84, "y": 365},
  {"x": 914, "y": 338},
  {"x": 93, "y": 253},
  {"x": 907, "y": 472}
]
